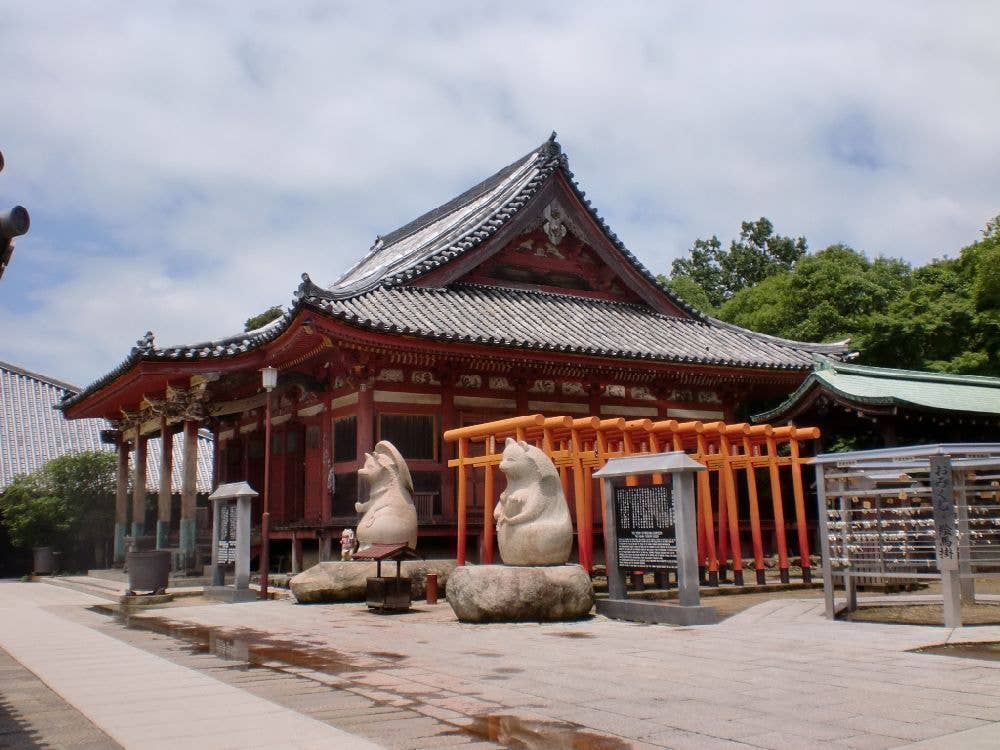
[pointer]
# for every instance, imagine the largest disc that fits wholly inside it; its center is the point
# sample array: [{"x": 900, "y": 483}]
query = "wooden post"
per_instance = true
[
  {"x": 139, "y": 486},
  {"x": 488, "y": 524},
  {"x": 166, "y": 476},
  {"x": 800, "y": 509},
  {"x": 705, "y": 511},
  {"x": 366, "y": 421},
  {"x": 189, "y": 497},
  {"x": 584, "y": 509},
  {"x": 448, "y": 422},
  {"x": 121, "y": 501},
  {"x": 726, "y": 478},
  {"x": 778, "y": 505},
  {"x": 758, "y": 542},
  {"x": 326, "y": 462},
  {"x": 723, "y": 527},
  {"x": 296, "y": 553},
  {"x": 463, "y": 490}
]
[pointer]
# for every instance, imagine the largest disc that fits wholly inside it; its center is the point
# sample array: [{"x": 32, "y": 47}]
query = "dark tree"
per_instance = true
[
  {"x": 262, "y": 319},
  {"x": 757, "y": 254}
]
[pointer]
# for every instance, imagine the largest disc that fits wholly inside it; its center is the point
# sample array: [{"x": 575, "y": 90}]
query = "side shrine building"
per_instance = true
[{"x": 513, "y": 298}]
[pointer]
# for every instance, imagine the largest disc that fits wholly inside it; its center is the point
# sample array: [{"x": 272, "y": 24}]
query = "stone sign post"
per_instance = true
[
  {"x": 231, "y": 504},
  {"x": 652, "y": 527}
]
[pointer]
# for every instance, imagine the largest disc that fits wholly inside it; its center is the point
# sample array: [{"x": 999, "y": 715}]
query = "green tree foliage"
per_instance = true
[
  {"x": 32, "y": 516},
  {"x": 262, "y": 319},
  {"x": 943, "y": 316},
  {"x": 688, "y": 290},
  {"x": 68, "y": 503},
  {"x": 949, "y": 318},
  {"x": 757, "y": 254},
  {"x": 827, "y": 296}
]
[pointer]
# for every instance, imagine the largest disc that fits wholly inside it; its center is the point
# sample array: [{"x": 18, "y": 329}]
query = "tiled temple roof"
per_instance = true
[
  {"x": 863, "y": 386},
  {"x": 33, "y": 431},
  {"x": 374, "y": 294},
  {"x": 543, "y": 321}
]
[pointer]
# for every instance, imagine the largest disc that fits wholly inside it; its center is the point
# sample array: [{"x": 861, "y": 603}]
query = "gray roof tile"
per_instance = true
[{"x": 32, "y": 431}]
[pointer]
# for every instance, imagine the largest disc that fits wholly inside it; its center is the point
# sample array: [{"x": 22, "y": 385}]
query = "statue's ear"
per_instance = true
[{"x": 523, "y": 445}]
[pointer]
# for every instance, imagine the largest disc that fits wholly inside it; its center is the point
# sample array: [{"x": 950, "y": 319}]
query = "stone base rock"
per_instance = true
[
  {"x": 508, "y": 593},
  {"x": 345, "y": 581}
]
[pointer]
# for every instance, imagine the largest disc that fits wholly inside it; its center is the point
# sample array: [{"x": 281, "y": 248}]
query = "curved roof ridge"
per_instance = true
[
  {"x": 872, "y": 371},
  {"x": 833, "y": 347},
  {"x": 511, "y": 187},
  {"x": 38, "y": 376}
]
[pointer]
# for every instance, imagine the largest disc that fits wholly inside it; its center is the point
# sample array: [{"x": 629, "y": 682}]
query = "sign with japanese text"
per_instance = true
[{"x": 943, "y": 502}]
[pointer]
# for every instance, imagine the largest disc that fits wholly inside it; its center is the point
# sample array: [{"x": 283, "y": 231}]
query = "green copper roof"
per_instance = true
[{"x": 882, "y": 386}]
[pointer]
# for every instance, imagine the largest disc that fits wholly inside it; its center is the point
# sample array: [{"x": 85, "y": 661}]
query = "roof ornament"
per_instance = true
[
  {"x": 144, "y": 345},
  {"x": 554, "y": 227},
  {"x": 552, "y": 147}
]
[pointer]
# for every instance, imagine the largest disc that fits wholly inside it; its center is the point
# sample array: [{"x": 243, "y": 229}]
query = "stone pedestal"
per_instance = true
[
  {"x": 508, "y": 593},
  {"x": 345, "y": 581}
]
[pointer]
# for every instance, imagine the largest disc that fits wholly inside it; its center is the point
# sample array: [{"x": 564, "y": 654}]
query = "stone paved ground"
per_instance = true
[
  {"x": 775, "y": 676},
  {"x": 32, "y": 716}
]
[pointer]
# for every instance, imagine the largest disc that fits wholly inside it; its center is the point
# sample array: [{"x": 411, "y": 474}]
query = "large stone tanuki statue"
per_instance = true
[
  {"x": 533, "y": 522},
  {"x": 389, "y": 515},
  {"x": 535, "y": 534}
]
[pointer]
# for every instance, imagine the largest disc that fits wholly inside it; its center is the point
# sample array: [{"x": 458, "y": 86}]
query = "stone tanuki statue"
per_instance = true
[
  {"x": 389, "y": 515},
  {"x": 348, "y": 543},
  {"x": 533, "y": 522}
]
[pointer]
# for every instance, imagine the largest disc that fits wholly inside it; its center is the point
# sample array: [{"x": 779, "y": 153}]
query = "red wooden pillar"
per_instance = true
[
  {"x": 705, "y": 513},
  {"x": 139, "y": 485},
  {"x": 366, "y": 420},
  {"x": 800, "y": 509},
  {"x": 448, "y": 421},
  {"x": 488, "y": 523},
  {"x": 121, "y": 500},
  {"x": 778, "y": 504},
  {"x": 166, "y": 481},
  {"x": 463, "y": 490},
  {"x": 188, "y": 532},
  {"x": 326, "y": 463},
  {"x": 758, "y": 542},
  {"x": 727, "y": 479}
]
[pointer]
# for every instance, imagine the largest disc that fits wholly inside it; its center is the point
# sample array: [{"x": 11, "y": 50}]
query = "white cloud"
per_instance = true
[{"x": 184, "y": 163}]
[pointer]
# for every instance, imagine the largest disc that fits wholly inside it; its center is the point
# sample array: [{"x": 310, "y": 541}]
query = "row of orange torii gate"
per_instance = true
[{"x": 580, "y": 446}]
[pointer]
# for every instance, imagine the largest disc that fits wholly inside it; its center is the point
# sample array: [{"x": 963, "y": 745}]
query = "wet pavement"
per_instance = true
[{"x": 775, "y": 676}]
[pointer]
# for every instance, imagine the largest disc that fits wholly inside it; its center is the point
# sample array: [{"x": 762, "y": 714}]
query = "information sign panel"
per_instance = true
[
  {"x": 227, "y": 533},
  {"x": 943, "y": 502},
  {"x": 644, "y": 521}
]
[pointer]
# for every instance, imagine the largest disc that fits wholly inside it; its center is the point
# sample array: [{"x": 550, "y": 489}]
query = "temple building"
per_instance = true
[
  {"x": 883, "y": 407},
  {"x": 33, "y": 431},
  {"x": 513, "y": 298}
]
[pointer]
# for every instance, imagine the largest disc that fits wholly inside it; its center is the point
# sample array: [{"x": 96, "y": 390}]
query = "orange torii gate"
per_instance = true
[{"x": 580, "y": 446}]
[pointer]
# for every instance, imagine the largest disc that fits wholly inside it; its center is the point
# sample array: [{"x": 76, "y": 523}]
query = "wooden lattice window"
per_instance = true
[
  {"x": 414, "y": 435},
  {"x": 345, "y": 438}
]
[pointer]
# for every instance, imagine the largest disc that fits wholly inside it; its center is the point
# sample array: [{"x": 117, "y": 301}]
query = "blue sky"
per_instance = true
[{"x": 184, "y": 163}]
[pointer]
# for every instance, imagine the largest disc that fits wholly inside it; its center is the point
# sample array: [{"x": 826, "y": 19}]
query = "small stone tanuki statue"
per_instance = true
[
  {"x": 533, "y": 522},
  {"x": 348, "y": 543},
  {"x": 389, "y": 515}
]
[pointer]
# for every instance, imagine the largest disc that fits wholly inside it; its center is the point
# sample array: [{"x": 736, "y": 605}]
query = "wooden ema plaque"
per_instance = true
[{"x": 644, "y": 521}]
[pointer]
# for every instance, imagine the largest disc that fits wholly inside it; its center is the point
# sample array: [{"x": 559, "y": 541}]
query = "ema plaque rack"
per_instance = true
[{"x": 922, "y": 512}]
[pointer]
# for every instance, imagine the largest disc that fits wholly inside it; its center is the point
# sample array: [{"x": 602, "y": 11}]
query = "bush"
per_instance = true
[{"x": 68, "y": 503}]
